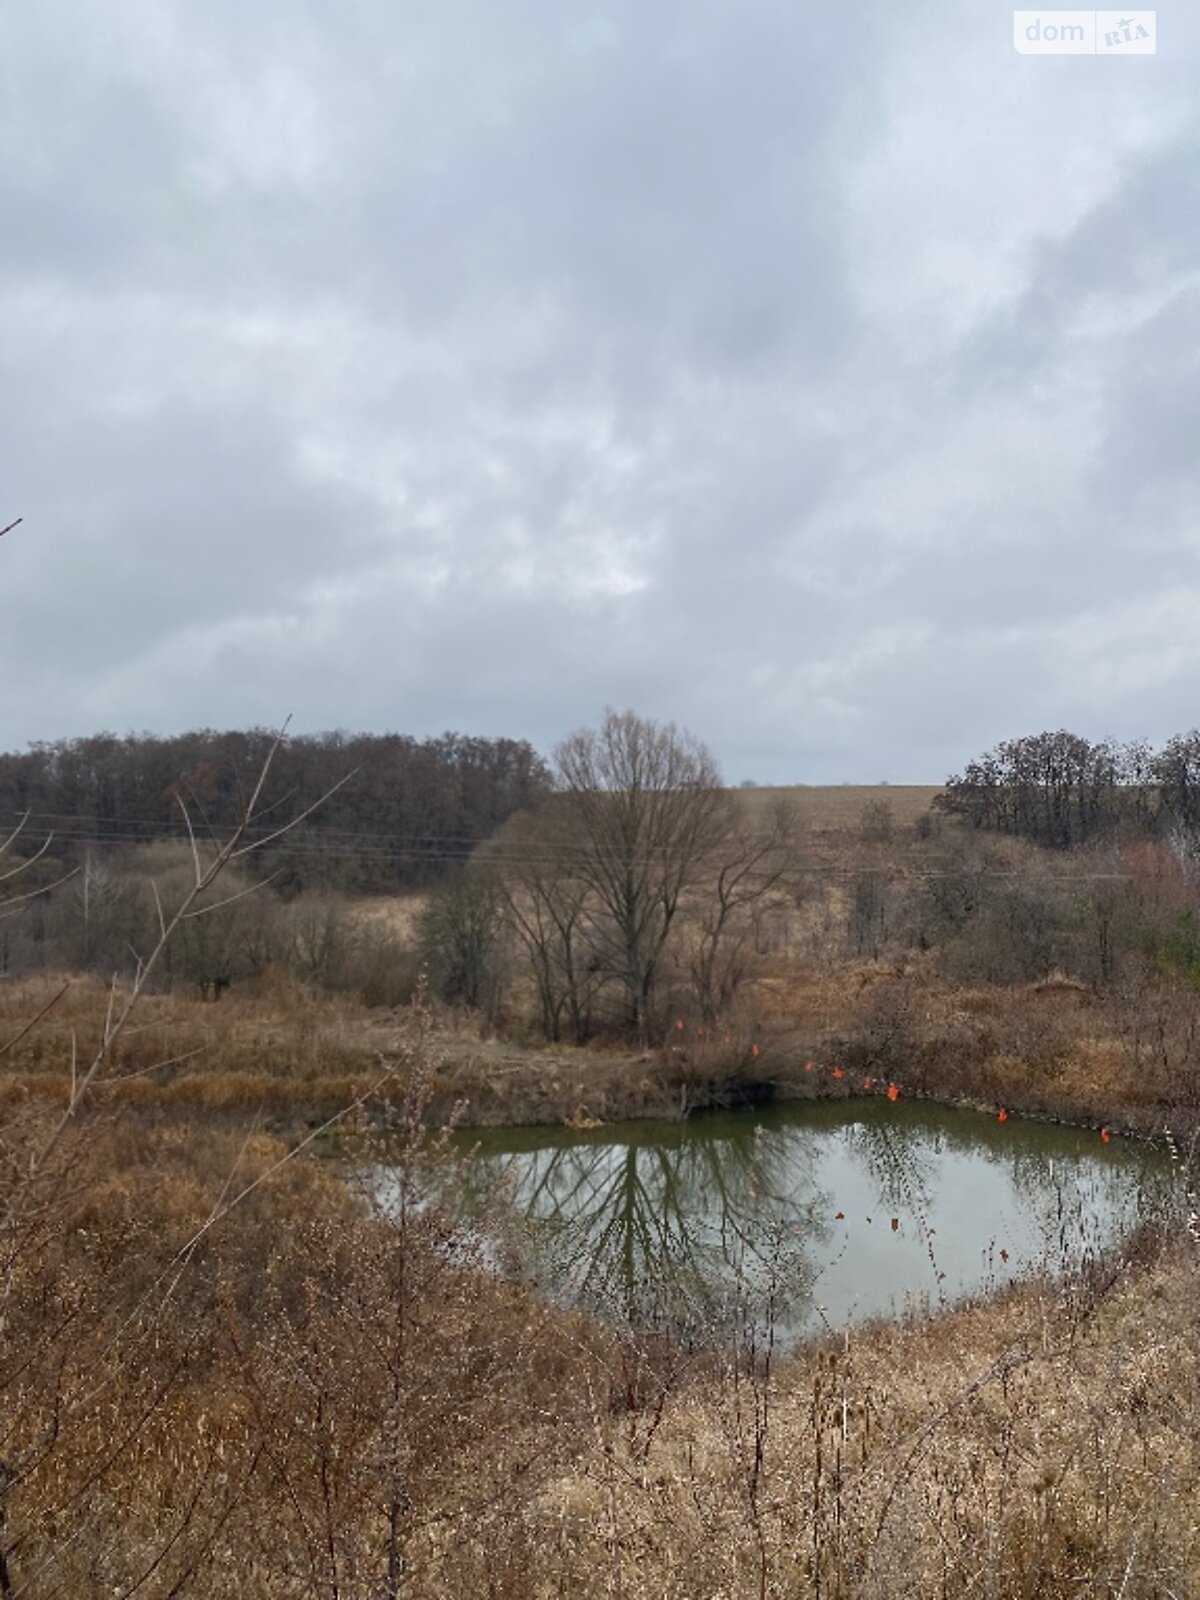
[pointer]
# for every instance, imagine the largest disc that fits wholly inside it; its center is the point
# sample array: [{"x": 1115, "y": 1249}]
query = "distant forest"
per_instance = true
[
  {"x": 408, "y": 812},
  {"x": 1059, "y": 790},
  {"x": 412, "y": 809}
]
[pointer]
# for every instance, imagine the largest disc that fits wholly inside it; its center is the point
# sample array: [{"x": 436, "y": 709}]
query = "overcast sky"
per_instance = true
[{"x": 822, "y": 378}]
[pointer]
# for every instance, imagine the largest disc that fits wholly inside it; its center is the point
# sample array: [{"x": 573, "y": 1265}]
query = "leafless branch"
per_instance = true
[
  {"x": 33, "y": 1022},
  {"x": 231, "y": 899},
  {"x": 269, "y": 838}
]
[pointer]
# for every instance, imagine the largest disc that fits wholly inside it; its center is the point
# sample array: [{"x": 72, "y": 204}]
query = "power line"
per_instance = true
[{"x": 315, "y": 849}]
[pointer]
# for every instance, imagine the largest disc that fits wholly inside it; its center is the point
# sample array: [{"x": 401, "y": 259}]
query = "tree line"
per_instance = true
[
  {"x": 1061, "y": 790},
  {"x": 406, "y": 812},
  {"x": 635, "y": 890},
  {"x": 599, "y": 896}
]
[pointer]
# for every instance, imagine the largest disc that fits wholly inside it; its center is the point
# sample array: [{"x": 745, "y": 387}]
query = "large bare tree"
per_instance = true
[{"x": 646, "y": 812}]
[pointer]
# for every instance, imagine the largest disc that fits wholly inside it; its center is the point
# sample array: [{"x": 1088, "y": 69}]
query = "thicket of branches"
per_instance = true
[
  {"x": 96, "y": 916},
  {"x": 412, "y": 809},
  {"x": 221, "y": 1372},
  {"x": 1061, "y": 790}
]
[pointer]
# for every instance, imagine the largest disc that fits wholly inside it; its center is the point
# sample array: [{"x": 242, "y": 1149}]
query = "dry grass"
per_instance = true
[
  {"x": 1051, "y": 1048},
  {"x": 328, "y": 1403},
  {"x": 291, "y": 1055},
  {"x": 394, "y": 915},
  {"x": 1038, "y": 1447},
  {"x": 277, "y": 1041}
]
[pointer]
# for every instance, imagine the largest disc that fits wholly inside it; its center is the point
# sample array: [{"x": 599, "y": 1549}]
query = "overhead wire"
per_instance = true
[{"x": 551, "y": 854}]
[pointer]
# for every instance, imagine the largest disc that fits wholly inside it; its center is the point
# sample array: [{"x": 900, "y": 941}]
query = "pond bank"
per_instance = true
[
  {"x": 1050, "y": 1051},
  {"x": 600, "y": 1090}
]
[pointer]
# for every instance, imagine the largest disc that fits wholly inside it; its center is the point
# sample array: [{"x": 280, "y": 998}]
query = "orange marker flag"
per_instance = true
[
  {"x": 808, "y": 1066},
  {"x": 893, "y": 1092},
  {"x": 754, "y": 1050},
  {"x": 1105, "y": 1135},
  {"x": 838, "y": 1073},
  {"x": 868, "y": 1083},
  {"x": 1002, "y": 1116},
  {"x": 679, "y": 1024}
]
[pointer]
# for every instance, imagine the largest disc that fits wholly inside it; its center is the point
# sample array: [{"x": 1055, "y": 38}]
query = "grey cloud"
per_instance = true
[{"x": 478, "y": 366}]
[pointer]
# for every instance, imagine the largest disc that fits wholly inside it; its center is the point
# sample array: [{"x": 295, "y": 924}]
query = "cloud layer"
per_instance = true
[{"x": 826, "y": 381}]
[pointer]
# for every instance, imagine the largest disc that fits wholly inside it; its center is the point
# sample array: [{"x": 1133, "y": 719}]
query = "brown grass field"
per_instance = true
[{"x": 840, "y": 806}]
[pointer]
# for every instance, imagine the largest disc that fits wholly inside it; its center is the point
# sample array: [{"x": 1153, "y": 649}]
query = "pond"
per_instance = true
[{"x": 800, "y": 1219}]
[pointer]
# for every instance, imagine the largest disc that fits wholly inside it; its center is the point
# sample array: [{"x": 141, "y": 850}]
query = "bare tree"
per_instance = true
[
  {"x": 548, "y": 905},
  {"x": 877, "y": 822},
  {"x": 1177, "y": 770},
  {"x": 868, "y": 912},
  {"x": 647, "y": 812},
  {"x": 459, "y": 936},
  {"x": 749, "y": 865}
]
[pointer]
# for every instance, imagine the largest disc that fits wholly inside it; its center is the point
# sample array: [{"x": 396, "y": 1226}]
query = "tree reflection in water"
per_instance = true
[
  {"x": 902, "y": 1164},
  {"x": 1073, "y": 1195},
  {"x": 702, "y": 1227}
]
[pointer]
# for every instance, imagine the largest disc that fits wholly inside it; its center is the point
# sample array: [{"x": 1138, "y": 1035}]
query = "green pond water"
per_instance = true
[{"x": 797, "y": 1220}]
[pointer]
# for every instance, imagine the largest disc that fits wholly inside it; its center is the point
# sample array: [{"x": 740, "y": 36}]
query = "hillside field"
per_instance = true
[{"x": 840, "y": 805}]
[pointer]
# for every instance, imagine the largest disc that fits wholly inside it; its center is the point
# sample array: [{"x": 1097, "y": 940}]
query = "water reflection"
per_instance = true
[
  {"x": 660, "y": 1223},
  {"x": 899, "y": 1158},
  {"x": 802, "y": 1216}
]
